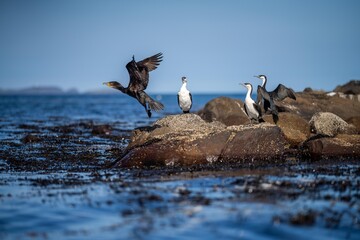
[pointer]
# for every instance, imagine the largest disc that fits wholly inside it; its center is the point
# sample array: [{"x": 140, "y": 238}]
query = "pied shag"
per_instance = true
[
  {"x": 252, "y": 109},
  {"x": 139, "y": 79},
  {"x": 280, "y": 93},
  {"x": 184, "y": 97}
]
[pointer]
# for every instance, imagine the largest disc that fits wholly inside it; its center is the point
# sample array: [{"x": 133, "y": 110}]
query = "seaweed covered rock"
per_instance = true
[
  {"x": 341, "y": 146},
  {"x": 182, "y": 140}
]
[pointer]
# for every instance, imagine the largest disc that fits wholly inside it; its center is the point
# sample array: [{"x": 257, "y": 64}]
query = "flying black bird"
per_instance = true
[
  {"x": 184, "y": 97},
  {"x": 139, "y": 79},
  {"x": 280, "y": 93},
  {"x": 252, "y": 109}
]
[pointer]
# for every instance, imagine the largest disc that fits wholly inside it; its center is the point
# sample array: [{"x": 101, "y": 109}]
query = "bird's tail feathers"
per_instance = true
[{"x": 155, "y": 105}]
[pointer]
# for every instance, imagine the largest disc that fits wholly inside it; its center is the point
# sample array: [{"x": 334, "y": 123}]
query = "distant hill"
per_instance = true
[{"x": 45, "y": 90}]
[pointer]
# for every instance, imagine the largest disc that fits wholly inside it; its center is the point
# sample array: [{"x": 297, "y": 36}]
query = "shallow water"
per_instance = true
[{"x": 55, "y": 182}]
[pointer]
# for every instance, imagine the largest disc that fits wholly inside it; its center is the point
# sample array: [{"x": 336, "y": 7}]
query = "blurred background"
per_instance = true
[{"x": 79, "y": 44}]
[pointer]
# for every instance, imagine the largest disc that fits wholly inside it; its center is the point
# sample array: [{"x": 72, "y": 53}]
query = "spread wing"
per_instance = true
[
  {"x": 268, "y": 99},
  {"x": 147, "y": 65},
  {"x": 136, "y": 82},
  {"x": 282, "y": 92},
  {"x": 139, "y": 71}
]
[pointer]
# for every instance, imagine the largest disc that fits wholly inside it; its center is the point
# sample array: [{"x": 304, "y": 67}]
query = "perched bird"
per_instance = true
[
  {"x": 252, "y": 109},
  {"x": 280, "y": 93},
  {"x": 184, "y": 97},
  {"x": 139, "y": 79}
]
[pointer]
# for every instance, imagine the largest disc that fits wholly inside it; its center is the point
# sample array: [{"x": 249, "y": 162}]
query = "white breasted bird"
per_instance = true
[
  {"x": 252, "y": 109},
  {"x": 184, "y": 97}
]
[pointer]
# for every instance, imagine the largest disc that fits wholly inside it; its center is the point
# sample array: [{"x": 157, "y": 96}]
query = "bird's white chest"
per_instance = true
[
  {"x": 184, "y": 99},
  {"x": 249, "y": 103}
]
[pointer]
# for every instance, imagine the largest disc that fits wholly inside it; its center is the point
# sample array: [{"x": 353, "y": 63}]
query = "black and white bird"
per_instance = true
[
  {"x": 184, "y": 97},
  {"x": 139, "y": 79},
  {"x": 278, "y": 94},
  {"x": 252, "y": 109}
]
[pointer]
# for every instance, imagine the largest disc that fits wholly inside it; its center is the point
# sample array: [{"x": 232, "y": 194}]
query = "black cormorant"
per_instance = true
[
  {"x": 139, "y": 79},
  {"x": 252, "y": 109},
  {"x": 184, "y": 97},
  {"x": 280, "y": 93}
]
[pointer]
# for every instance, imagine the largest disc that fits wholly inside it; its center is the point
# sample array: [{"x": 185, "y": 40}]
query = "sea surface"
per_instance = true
[{"x": 56, "y": 183}]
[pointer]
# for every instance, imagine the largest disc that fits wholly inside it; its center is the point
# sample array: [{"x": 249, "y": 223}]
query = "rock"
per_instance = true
[
  {"x": 30, "y": 139},
  {"x": 329, "y": 124},
  {"x": 295, "y": 128},
  {"x": 226, "y": 110},
  {"x": 309, "y": 103},
  {"x": 186, "y": 139},
  {"x": 355, "y": 121},
  {"x": 101, "y": 129},
  {"x": 341, "y": 146}
]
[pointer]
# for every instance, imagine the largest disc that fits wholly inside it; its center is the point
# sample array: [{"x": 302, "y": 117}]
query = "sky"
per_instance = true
[{"x": 215, "y": 44}]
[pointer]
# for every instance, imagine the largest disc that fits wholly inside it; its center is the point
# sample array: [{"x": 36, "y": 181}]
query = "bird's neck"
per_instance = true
[
  {"x": 183, "y": 87},
  {"x": 248, "y": 94},
  {"x": 121, "y": 88},
  {"x": 264, "y": 83}
]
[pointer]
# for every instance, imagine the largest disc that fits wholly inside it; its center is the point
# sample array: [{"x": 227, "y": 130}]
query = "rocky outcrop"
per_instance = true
[
  {"x": 309, "y": 103},
  {"x": 341, "y": 146},
  {"x": 312, "y": 126},
  {"x": 329, "y": 124},
  {"x": 226, "y": 110},
  {"x": 180, "y": 140}
]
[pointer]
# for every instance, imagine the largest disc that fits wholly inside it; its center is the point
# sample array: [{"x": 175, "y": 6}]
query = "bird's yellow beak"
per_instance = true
[{"x": 106, "y": 83}]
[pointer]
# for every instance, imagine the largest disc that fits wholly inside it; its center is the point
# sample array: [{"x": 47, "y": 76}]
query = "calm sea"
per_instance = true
[{"x": 60, "y": 109}]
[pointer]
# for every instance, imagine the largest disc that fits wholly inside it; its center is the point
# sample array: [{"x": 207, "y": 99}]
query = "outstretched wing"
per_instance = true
[
  {"x": 147, "y": 65},
  {"x": 268, "y": 100},
  {"x": 139, "y": 71},
  {"x": 136, "y": 82},
  {"x": 282, "y": 92}
]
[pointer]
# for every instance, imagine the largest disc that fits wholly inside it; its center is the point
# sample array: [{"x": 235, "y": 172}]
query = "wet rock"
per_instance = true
[
  {"x": 341, "y": 146},
  {"x": 101, "y": 129},
  {"x": 226, "y": 110},
  {"x": 329, "y": 124},
  {"x": 295, "y": 128},
  {"x": 30, "y": 139},
  {"x": 183, "y": 140}
]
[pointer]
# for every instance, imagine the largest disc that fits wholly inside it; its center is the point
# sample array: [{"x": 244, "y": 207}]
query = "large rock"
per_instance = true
[
  {"x": 329, "y": 124},
  {"x": 226, "y": 110},
  {"x": 341, "y": 146},
  {"x": 295, "y": 128},
  {"x": 180, "y": 140}
]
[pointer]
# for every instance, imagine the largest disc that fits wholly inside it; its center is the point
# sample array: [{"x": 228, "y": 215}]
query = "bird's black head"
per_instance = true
[
  {"x": 183, "y": 79},
  {"x": 113, "y": 84}
]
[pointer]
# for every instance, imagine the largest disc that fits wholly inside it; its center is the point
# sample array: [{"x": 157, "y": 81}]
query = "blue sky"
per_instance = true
[{"x": 216, "y": 44}]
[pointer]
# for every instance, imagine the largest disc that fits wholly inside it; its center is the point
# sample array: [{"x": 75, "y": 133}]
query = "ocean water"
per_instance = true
[{"x": 297, "y": 200}]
